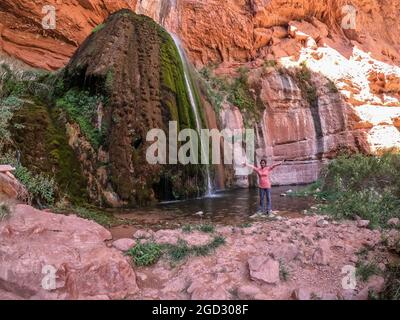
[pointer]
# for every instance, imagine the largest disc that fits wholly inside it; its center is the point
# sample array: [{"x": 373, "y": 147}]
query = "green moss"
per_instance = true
[
  {"x": 44, "y": 148},
  {"x": 98, "y": 27},
  {"x": 81, "y": 107},
  {"x": 175, "y": 95},
  {"x": 236, "y": 91}
]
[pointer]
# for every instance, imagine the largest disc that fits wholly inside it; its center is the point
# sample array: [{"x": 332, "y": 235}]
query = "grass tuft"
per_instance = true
[
  {"x": 145, "y": 254},
  {"x": 366, "y": 270}
]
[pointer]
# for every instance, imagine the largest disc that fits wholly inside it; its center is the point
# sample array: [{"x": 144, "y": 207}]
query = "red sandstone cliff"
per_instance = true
[{"x": 362, "y": 63}]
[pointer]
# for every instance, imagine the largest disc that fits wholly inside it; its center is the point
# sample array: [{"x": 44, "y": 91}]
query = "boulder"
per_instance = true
[
  {"x": 264, "y": 269},
  {"x": 124, "y": 244},
  {"x": 167, "y": 236},
  {"x": 285, "y": 252},
  {"x": 142, "y": 234},
  {"x": 49, "y": 256}
]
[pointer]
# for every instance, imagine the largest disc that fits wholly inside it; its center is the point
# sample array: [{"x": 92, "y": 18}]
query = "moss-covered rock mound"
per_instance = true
[{"x": 125, "y": 79}]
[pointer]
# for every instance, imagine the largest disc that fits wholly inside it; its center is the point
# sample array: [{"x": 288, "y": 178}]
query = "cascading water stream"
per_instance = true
[{"x": 190, "y": 90}]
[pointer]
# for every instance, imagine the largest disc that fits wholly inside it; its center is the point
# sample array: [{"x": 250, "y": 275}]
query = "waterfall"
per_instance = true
[{"x": 193, "y": 104}]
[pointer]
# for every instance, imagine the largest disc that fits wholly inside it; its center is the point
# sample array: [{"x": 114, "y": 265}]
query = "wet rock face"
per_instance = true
[{"x": 36, "y": 243}]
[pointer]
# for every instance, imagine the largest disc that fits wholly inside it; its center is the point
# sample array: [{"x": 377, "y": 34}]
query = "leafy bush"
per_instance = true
[
  {"x": 236, "y": 92},
  {"x": 8, "y": 106},
  {"x": 81, "y": 106},
  {"x": 40, "y": 187},
  {"x": 361, "y": 185},
  {"x": 392, "y": 288},
  {"x": 179, "y": 251},
  {"x": 145, "y": 254},
  {"x": 308, "y": 89},
  {"x": 215, "y": 88},
  {"x": 365, "y": 270},
  {"x": 332, "y": 87},
  {"x": 240, "y": 95},
  {"x": 207, "y": 228}
]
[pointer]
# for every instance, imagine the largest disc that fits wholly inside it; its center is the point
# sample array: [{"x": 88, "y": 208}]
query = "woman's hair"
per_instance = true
[{"x": 263, "y": 160}]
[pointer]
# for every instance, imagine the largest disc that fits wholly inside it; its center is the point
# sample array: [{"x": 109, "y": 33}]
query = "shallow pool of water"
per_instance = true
[{"x": 233, "y": 207}]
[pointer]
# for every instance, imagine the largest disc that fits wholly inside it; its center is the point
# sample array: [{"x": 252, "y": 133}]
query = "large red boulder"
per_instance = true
[{"x": 34, "y": 245}]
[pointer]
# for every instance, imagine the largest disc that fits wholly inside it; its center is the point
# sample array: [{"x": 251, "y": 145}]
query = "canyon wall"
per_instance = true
[{"x": 354, "y": 78}]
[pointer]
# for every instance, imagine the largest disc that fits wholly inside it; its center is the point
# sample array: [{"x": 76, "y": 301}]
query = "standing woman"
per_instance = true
[{"x": 264, "y": 184}]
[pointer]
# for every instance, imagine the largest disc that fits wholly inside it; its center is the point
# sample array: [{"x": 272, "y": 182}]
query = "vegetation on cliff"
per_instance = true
[{"x": 236, "y": 91}]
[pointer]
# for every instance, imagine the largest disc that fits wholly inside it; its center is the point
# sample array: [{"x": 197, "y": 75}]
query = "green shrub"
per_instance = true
[
  {"x": 270, "y": 64},
  {"x": 361, "y": 185},
  {"x": 365, "y": 270},
  {"x": 207, "y": 228},
  {"x": 237, "y": 92},
  {"x": 332, "y": 87},
  {"x": 179, "y": 251},
  {"x": 392, "y": 287},
  {"x": 8, "y": 106},
  {"x": 145, "y": 254},
  {"x": 81, "y": 106},
  {"x": 40, "y": 187},
  {"x": 308, "y": 89},
  {"x": 215, "y": 88},
  {"x": 188, "y": 228},
  {"x": 240, "y": 95}
]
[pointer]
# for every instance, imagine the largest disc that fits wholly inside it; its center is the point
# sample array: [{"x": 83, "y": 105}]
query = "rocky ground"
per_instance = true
[
  {"x": 303, "y": 258},
  {"x": 299, "y": 258}
]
